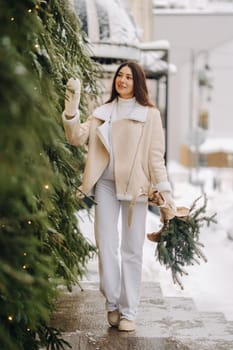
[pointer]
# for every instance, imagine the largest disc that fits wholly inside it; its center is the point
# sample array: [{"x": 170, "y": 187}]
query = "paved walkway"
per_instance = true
[{"x": 163, "y": 323}]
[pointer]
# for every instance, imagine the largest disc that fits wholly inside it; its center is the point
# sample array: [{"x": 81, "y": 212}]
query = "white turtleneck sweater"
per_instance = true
[{"x": 123, "y": 109}]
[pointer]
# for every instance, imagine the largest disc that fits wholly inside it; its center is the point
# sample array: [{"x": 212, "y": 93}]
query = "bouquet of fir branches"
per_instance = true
[{"x": 177, "y": 241}]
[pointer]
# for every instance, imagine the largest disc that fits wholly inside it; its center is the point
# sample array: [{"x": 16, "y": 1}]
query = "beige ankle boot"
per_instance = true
[
  {"x": 113, "y": 318},
  {"x": 126, "y": 325}
]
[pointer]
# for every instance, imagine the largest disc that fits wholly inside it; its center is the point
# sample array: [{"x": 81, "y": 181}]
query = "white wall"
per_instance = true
[
  {"x": 194, "y": 33},
  {"x": 221, "y": 112},
  {"x": 178, "y": 111},
  {"x": 220, "y": 106}
]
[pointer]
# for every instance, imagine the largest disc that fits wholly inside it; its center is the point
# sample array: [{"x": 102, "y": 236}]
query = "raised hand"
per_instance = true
[{"x": 72, "y": 96}]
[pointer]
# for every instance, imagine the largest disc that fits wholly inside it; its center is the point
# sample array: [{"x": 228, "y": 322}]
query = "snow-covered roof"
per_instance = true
[
  {"x": 114, "y": 36},
  {"x": 212, "y": 145},
  {"x": 209, "y": 145},
  {"x": 107, "y": 22},
  {"x": 155, "y": 45},
  {"x": 198, "y": 5}
]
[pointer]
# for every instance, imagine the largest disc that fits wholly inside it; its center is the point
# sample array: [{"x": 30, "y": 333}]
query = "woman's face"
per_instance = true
[{"x": 124, "y": 83}]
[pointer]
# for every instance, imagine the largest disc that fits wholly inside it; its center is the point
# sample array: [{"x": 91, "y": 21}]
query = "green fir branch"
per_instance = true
[
  {"x": 41, "y": 46},
  {"x": 179, "y": 244}
]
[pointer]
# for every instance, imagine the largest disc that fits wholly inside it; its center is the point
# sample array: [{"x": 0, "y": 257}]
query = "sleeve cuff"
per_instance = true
[
  {"x": 164, "y": 186},
  {"x": 70, "y": 121}
]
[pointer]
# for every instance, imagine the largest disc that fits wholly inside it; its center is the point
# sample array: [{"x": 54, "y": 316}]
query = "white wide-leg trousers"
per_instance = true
[{"x": 120, "y": 256}]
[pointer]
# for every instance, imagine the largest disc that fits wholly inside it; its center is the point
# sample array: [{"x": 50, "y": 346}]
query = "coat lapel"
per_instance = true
[
  {"x": 102, "y": 133},
  {"x": 104, "y": 112},
  {"x": 139, "y": 113}
]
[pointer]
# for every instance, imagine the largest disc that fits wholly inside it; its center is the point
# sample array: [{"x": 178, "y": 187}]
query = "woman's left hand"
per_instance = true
[{"x": 168, "y": 200}]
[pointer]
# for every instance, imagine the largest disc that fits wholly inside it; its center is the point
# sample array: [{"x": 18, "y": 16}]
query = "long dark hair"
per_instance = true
[{"x": 140, "y": 87}]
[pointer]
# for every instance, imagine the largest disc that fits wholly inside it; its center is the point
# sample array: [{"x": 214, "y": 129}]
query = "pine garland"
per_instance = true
[{"x": 178, "y": 241}]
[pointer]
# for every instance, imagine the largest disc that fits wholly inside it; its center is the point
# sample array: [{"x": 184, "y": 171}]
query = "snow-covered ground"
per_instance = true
[{"x": 209, "y": 284}]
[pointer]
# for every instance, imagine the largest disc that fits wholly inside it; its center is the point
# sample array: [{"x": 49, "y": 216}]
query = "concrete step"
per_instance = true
[
  {"x": 217, "y": 326},
  {"x": 184, "y": 319},
  {"x": 163, "y": 323},
  {"x": 150, "y": 290}
]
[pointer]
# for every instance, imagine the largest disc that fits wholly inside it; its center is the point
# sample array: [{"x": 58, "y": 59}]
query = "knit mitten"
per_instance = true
[{"x": 72, "y": 96}]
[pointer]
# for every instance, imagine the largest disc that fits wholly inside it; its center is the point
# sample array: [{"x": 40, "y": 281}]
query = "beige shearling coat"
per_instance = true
[{"x": 138, "y": 148}]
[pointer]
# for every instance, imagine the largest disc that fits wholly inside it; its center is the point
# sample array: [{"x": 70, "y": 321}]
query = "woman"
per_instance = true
[{"x": 125, "y": 160}]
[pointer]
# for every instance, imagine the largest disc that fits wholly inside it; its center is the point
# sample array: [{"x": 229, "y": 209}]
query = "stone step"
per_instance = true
[
  {"x": 125, "y": 341},
  {"x": 184, "y": 319},
  {"x": 163, "y": 323},
  {"x": 149, "y": 289},
  {"x": 217, "y": 326},
  {"x": 120, "y": 341}
]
